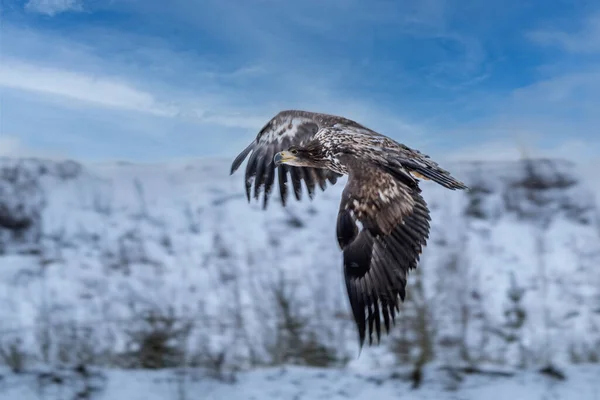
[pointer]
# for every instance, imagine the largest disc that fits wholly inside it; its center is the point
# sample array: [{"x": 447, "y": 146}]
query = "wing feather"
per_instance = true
[
  {"x": 296, "y": 182},
  {"x": 259, "y": 178},
  {"x": 379, "y": 256},
  {"x": 251, "y": 172},
  {"x": 283, "y": 189},
  {"x": 288, "y": 128},
  {"x": 321, "y": 178},
  {"x": 269, "y": 180},
  {"x": 309, "y": 180}
]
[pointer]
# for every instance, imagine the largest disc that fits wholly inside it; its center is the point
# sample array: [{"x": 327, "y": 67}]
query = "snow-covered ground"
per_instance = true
[
  {"x": 96, "y": 261},
  {"x": 307, "y": 384}
]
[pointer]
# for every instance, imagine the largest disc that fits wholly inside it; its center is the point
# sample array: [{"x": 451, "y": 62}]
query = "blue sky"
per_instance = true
[{"x": 149, "y": 80}]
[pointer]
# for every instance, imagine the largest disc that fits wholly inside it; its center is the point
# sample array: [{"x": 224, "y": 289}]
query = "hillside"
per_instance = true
[{"x": 99, "y": 263}]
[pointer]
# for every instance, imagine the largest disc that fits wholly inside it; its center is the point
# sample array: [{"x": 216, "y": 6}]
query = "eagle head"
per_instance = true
[{"x": 299, "y": 157}]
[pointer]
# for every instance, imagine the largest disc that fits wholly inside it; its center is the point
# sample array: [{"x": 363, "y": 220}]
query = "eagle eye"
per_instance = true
[{"x": 293, "y": 150}]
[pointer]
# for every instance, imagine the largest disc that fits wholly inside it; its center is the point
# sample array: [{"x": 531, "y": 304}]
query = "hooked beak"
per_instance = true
[{"x": 282, "y": 157}]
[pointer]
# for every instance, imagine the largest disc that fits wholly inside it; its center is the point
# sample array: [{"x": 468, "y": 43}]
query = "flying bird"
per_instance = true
[{"x": 383, "y": 221}]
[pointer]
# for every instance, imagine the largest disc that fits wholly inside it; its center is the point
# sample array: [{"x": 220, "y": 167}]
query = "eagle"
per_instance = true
[{"x": 383, "y": 220}]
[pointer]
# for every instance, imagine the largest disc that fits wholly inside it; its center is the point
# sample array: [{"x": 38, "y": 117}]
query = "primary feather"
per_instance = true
[
  {"x": 383, "y": 221},
  {"x": 281, "y": 132}
]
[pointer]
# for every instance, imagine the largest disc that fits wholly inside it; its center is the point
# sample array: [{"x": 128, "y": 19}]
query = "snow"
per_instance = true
[
  {"x": 90, "y": 253},
  {"x": 307, "y": 383}
]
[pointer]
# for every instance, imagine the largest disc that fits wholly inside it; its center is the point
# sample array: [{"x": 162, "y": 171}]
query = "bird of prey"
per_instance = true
[{"x": 383, "y": 221}]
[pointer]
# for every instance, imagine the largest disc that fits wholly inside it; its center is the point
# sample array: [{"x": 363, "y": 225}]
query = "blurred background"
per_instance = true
[{"x": 133, "y": 267}]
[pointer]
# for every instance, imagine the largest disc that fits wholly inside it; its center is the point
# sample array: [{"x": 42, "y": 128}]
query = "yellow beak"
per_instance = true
[{"x": 282, "y": 157}]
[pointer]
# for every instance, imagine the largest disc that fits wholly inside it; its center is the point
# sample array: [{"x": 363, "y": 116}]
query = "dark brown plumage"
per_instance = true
[{"x": 383, "y": 221}]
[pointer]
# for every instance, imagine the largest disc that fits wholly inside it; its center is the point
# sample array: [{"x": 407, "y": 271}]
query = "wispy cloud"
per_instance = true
[
  {"x": 554, "y": 114},
  {"x": 555, "y": 117},
  {"x": 201, "y": 77},
  {"x": 101, "y": 91},
  {"x": 585, "y": 40},
  {"x": 201, "y": 107},
  {"x": 53, "y": 7}
]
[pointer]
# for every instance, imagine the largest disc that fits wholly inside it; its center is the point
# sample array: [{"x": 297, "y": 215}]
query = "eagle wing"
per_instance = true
[
  {"x": 288, "y": 128},
  {"x": 382, "y": 225}
]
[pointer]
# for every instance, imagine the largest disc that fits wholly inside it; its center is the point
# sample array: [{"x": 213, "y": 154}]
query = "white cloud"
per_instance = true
[
  {"x": 202, "y": 103},
  {"x": 78, "y": 86},
  {"x": 573, "y": 97},
  {"x": 563, "y": 106},
  {"x": 555, "y": 117},
  {"x": 53, "y": 7},
  {"x": 585, "y": 40},
  {"x": 11, "y": 146}
]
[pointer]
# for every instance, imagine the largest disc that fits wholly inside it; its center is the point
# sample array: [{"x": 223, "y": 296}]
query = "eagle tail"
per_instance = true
[
  {"x": 438, "y": 175},
  {"x": 421, "y": 166},
  {"x": 424, "y": 168}
]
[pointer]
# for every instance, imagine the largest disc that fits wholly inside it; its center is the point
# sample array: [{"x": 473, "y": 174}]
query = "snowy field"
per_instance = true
[
  {"x": 130, "y": 268},
  {"x": 309, "y": 383}
]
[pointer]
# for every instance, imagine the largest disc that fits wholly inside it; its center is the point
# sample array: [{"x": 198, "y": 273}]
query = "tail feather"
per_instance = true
[{"x": 441, "y": 177}]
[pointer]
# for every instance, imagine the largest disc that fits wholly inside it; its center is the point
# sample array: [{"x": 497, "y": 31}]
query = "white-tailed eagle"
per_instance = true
[{"x": 383, "y": 221}]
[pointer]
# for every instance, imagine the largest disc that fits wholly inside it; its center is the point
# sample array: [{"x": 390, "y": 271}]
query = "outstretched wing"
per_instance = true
[
  {"x": 382, "y": 225},
  {"x": 288, "y": 128}
]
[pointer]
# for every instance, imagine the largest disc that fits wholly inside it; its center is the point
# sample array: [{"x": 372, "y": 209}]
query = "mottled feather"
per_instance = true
[
  {"x": 286, "y": 129},
  {"x": 378, "y": 255},
  {"x": 383, "y": 221}
]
